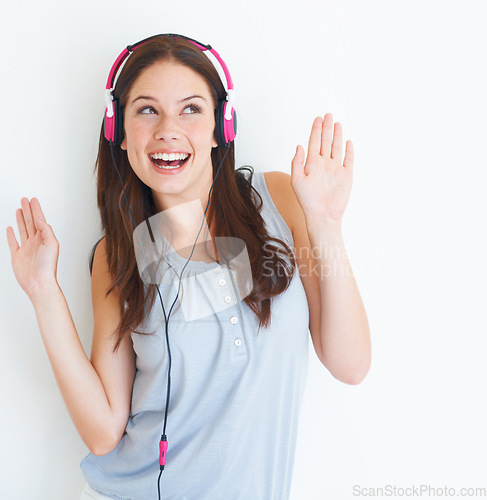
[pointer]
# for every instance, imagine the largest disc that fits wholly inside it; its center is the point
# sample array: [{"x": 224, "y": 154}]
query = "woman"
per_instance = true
[{"x": 226, "y": 368}]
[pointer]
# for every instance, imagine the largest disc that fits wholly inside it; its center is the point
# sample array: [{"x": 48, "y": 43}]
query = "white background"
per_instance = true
[{"x": 407, "y": 80}]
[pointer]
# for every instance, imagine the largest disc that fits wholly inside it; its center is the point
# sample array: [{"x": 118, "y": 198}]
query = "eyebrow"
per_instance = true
[{"x": 149, "y": 98}]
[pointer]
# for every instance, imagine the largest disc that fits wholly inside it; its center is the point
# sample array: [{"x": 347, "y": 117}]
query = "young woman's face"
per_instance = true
[{"x": 169, "y": 125}]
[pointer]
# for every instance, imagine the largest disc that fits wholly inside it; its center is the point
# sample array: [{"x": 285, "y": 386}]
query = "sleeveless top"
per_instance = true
[{"x": 235, "y": 395}]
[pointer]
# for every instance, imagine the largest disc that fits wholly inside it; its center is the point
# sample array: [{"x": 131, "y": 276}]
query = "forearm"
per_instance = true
[
  {"x": 345, "y": 335},
  {"x": 80, "y": 385}
]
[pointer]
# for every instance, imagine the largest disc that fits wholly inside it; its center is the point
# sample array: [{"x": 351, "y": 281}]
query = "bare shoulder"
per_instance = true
[
  {"x": 286, "y": 202},
  {"x": 282, "y": 194},
  {"x": 101, "y": 281},
  {"x": 106, "y": 308}
]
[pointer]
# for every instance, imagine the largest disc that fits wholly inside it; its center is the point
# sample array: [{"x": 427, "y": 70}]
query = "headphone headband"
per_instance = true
[{"x": 226, "y": 119}]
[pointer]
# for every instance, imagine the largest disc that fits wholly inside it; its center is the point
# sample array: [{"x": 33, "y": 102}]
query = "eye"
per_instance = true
[
  {"x": 191, "y": 109},
  {"x": 146, "y": 110}
]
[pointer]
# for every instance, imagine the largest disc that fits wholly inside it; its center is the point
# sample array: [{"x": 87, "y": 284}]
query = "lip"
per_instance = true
[
  {"x": 168, "y": 151},
  {"x": 173, "y": 171}
]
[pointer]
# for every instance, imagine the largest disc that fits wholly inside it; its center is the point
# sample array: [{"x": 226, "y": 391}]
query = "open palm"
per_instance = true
[
  {"x": 323, "y": 184},
  {"x": 34, "y": 261}
]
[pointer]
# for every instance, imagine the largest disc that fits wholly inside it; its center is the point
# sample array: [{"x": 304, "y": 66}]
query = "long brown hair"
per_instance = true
[{"x": 234, "y": 209}]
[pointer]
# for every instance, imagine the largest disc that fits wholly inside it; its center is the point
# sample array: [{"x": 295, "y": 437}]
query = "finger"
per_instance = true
[
  {"x": 13, "y": 244},
  {"x": 37, "y": 212},
  {"x": 297, "y": 165},
  {"x": 42, "y": 226},
  {"x": 349, "y": 156},
  {"x": 21, "y": 225},
  {"x": 27, "y": 212},
  {"x": 327, "y": 135},
  {"x": 314, "y": 145},
  {"x": 336, "y": 148}
]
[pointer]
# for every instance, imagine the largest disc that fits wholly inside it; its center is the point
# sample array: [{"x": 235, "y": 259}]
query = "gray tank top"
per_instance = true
[{"x": 235, "y": 395}]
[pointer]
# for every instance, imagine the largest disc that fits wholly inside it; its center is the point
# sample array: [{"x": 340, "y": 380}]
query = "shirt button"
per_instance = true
[
  {"x": 238, "y": 342},
  {"x": 218, "y": 270},
  {"x": 221, "y": 282},
  {"x": 233, "y": 319},
  {"x": 227, "y": 299}
]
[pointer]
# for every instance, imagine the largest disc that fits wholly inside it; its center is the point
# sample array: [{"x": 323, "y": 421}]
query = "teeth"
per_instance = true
[{"x": 170, "y": 156}]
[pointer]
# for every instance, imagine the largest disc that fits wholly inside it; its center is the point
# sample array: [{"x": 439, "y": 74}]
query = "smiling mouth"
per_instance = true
[{"x": 169, "y": 161}]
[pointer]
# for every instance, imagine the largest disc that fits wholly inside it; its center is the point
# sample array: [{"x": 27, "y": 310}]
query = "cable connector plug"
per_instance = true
[{"x": 162, "y": 451}]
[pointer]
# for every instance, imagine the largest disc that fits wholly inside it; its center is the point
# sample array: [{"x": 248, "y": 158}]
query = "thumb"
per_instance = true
[
  {"x": 46, "y": 231},
  {"x": 297, "y": 163}
]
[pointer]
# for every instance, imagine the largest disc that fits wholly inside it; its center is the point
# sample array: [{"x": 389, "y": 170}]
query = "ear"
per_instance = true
[
  {"x": 214, "y": 143},
  {"x": 123, "y": 145}
]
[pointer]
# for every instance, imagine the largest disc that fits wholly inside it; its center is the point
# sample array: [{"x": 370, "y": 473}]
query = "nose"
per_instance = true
[{"x": 166, "y": 128}]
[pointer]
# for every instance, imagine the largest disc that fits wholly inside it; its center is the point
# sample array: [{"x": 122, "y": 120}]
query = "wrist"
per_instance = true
[
  {"x": 42, "y": 292},
  {"x": 324, "y": 223}
]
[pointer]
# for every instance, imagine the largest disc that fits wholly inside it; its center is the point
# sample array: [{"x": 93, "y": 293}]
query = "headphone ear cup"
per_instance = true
[
  {"x": 219, "y": 124},
  {"x": 118, "y": 117},
  {"x": 232, "y": 127}
]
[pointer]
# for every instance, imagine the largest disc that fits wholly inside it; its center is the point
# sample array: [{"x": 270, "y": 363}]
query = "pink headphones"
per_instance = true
[{"x": 225, "y": 115}]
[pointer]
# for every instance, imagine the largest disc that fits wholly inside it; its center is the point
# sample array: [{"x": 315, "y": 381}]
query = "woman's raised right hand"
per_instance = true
[{"x": 34, "y": 261}]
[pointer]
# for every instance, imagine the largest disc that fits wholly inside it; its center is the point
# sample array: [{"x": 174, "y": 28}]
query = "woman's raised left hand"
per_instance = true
[{"x": 323, "y": 183}]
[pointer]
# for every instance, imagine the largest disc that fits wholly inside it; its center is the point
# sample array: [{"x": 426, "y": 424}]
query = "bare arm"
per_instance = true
[
  {"x": 96, "y": 394},
  {"x": 322, "y": 185}
]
